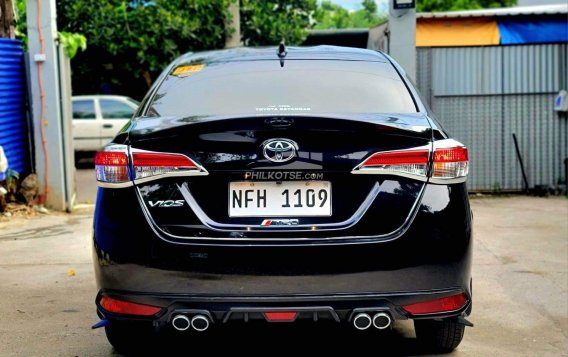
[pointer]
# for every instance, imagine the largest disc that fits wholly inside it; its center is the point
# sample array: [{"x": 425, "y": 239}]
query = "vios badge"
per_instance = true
[{"x": 279, "y": 150}]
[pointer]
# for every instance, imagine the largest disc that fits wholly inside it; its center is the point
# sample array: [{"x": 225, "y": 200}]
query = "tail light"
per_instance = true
[
  {"x": 413, "y": 162},
  {"x": 148, "y": 165},
  {"x": 115, "y": 167},
  {"x": 449, "y": 163},
  {"x": 445, "y": 304},
  {"x": 128, "y": 308},
  {"x": 111, "y": 166}
]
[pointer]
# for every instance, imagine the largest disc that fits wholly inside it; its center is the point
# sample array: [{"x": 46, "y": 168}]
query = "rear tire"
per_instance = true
[
  {"x": 440, "y": 336},
  {"x": 128, "y": 338}
]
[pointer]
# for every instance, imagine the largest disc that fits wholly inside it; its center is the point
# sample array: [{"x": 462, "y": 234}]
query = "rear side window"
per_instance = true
[
  {"x": 113, "y": 109},
  {"x": 300, "y": 86},
  {"x": 84, "y": 109}
]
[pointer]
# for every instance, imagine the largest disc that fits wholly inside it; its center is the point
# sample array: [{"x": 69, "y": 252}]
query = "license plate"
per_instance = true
[{"x": 280, "y": 199}]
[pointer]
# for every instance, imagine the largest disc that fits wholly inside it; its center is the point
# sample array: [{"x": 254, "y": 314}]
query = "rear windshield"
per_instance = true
[{"x": 299, "y": 87}]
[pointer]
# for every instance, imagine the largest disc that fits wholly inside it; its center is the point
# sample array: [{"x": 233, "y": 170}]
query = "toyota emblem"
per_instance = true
[{"x": 279, "y": 150}]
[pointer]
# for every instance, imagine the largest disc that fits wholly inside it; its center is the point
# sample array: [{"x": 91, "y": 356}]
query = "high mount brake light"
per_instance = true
[
  {"x": 450, "y": 163},
  {"x": 116, "y": 168}
]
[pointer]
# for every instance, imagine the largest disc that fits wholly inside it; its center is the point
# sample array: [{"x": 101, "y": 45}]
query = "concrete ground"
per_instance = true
[
  {"x": 86, "y": 184},
  {"x": 520, "y": 292}
]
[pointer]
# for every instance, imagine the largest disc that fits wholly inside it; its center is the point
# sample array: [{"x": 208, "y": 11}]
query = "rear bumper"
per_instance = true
[
  {"x": 338, "y": 308},
  {"x": 143, "y": 279},
  {"x": 432, "y": 258}
]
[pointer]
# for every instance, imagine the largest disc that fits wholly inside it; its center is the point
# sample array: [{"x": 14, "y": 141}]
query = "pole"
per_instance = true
[
  {"x": 48, "y": 127},
  {"x": 402, "y": 38},
  {"x": 525, "y": 180}
]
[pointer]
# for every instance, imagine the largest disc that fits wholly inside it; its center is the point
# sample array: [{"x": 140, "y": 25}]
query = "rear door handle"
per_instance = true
[{"x": 107, "y": 126}]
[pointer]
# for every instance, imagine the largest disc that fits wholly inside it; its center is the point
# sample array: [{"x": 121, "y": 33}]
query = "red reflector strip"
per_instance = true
[
  {"x": 398, "y": 158},
  {"x": 128, "y": 308},
  {"x": 140, "y": 159},
  {"x": 445, "y": 304},
  {"x": 456, "y": 154},
  {"x": 111, "y": 158},
  {"x": 280, "y": 316}
]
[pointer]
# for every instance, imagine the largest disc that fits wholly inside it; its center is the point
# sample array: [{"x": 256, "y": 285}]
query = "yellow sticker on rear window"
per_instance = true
[{"x": 187, "y": 70}]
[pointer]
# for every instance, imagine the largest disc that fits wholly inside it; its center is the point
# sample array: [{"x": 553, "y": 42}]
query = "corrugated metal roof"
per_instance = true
[{"x": 556, "y": 9}]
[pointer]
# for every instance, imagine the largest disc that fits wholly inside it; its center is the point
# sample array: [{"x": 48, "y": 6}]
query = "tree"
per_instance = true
[
  {"x": 7, "y": 21},
  {"x": 269, "y": 22},
  {"x": 451, "y": 5},
  {"x": 130, "y": 42},
  {"x": 370, "y": 8},
  {"x": 333, "y": 16}
]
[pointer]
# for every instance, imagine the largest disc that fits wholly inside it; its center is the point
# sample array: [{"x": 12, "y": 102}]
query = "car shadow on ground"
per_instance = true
[{"x": 262, "y": 340}]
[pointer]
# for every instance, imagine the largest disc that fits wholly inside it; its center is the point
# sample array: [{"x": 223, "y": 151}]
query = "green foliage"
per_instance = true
[
  {"x": 451, "y": 5},
  {"x": 332, "y": 16},
  {"x": 72, "y": 42},
  {"x": 369, "y": 9},
  {"x": 21, "y": 27},
  {"x": 269, "y": 22},
  {"x": 130, "y": 42},
  {"x": 149, "y": 33}
]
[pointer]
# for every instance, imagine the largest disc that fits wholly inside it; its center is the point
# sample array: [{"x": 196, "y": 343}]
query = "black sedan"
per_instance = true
[{"x": 281, "y": 185}]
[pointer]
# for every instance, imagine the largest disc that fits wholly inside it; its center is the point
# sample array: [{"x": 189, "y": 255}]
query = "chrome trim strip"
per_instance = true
[
  {"x": 170, "y": 174},
  {"x": 202, "y": 216},
  {"x": 379, "y": 171},
  {"x": 114, "y": 185},
  {"x": 288, "y": 242},
  {"x": 447, "y": 181}
]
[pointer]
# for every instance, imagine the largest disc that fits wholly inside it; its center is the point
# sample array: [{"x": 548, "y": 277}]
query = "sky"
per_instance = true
[{"x": 356, "y": 4}]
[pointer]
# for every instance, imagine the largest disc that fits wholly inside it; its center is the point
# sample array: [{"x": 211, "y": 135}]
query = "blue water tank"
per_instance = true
[{"x": 13, "y": 123}]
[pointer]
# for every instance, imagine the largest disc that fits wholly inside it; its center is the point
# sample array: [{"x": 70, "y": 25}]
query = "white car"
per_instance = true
[{"x": 98, "y": 118}]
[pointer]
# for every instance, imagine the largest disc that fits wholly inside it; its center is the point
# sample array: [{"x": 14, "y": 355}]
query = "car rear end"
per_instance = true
[{"x": 311, "y": 186}]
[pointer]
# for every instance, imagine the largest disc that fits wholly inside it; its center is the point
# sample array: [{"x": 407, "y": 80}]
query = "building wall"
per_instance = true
[
  {"x": 482, "y": 95},
  {"x": 539, "y": 2}
]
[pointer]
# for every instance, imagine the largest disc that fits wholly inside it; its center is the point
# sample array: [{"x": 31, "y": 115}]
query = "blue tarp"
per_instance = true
[{"x": 525, "y": 31}]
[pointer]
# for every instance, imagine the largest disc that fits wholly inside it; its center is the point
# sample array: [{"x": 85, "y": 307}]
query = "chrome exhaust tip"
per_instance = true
[
  {"x": 200, "y": 323},
  {"x": 362, "y": 321},
  {"x": 181, "y": 322},
  {"x": 381, "y": 320}
]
